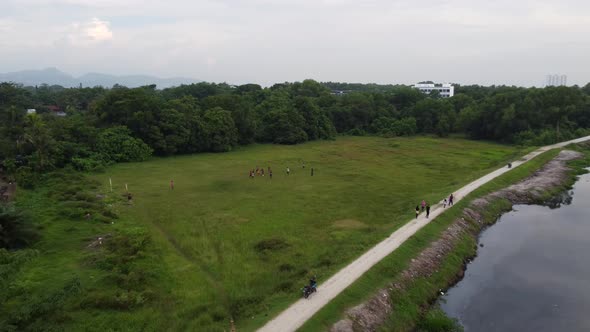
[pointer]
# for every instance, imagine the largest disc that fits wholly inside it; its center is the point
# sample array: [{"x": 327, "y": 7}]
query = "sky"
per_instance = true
[{"x": 514, "y": 42}]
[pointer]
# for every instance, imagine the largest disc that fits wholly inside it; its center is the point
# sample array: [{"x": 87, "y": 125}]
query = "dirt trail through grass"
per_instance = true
[{"x": 298, "y": 313}]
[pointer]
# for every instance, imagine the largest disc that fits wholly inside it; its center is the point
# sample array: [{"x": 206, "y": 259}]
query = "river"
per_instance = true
[{"x": 532, "y": 272}]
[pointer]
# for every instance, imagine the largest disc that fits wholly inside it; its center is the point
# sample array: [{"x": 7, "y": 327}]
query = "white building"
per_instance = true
[
  {"x": 31, "y": 111},
  {"x": 556, "y": 80},
  {"x": 446, "y": 90}
]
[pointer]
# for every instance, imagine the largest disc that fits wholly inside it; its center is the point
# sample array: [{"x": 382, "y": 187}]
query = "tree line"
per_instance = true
[{"x": 119, "y": 124}]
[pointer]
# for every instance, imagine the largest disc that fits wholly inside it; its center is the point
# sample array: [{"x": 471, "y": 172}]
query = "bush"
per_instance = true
[
  {"x": 90, "y": 164},
  {"x": 26, "y": 177},
  {"x": 117, "y": 145},
  {"x": 357, "y": 132},
  {"x": 388, "y": 127}
]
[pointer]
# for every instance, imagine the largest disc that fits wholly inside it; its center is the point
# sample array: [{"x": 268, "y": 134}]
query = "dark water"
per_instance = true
[{"x": 533, "y": 273}]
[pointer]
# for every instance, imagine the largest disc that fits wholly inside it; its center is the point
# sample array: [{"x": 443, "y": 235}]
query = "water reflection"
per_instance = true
[{"x": 532, "y": 273}]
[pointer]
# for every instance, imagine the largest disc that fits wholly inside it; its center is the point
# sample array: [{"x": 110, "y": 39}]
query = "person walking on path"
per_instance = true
[
  {"x": 451, "y": 200},
  {"x": 171, "y": 184},
  {"x": 445, "y": 202},
  {"x": 312, "y": 171},
  {"x": 423, "y": 205},
  {"x": 427, "y": 210},
  {"x": 417, "y": 211}
]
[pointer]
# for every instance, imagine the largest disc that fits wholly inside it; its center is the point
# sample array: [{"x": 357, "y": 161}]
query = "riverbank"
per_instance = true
[
  {"x": 403, "y": 304},
  {"x": 530, "y": 273}
]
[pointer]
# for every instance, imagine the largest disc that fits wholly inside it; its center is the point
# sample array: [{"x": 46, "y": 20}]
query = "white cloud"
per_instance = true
[{"x": 90, "y": 32}]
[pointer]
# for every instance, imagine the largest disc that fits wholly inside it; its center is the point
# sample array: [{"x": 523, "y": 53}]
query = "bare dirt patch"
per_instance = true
[{"x": 372, "y": 314}]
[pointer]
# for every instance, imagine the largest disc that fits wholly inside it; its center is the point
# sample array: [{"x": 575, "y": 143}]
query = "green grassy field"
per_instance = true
[{"x": 223, "y": 245}]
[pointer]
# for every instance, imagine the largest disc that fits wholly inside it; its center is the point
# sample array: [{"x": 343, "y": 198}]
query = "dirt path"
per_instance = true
[{"x": 299, "y": 312}]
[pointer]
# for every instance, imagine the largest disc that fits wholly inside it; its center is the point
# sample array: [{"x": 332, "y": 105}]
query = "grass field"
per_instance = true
[{"x": 223, "y": 245}]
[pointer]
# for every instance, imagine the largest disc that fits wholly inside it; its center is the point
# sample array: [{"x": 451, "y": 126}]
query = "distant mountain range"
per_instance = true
[{"x": 53, "y": 76}]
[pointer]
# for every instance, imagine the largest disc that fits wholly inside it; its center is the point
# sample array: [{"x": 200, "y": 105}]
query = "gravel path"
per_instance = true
[{"x": 299, "y": 312}]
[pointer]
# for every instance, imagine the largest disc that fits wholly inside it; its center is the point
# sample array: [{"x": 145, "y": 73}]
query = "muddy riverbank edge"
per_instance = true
[{"x": 372, "y": 315}]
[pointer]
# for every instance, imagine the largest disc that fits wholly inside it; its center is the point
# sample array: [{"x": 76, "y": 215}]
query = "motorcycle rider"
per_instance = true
[{"x": 313, "y": 283}]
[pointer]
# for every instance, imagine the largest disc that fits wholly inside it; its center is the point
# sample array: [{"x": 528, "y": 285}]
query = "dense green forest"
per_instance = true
[{"x": 103, "y": 126}]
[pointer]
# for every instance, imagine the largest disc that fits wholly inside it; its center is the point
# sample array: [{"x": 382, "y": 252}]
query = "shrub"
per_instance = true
[
  {"x": 90, "y": 164},
  {"x": 117, "y": 145},
  {"x": 357, "y": 132},
  {"x": 26, "y": 177}
]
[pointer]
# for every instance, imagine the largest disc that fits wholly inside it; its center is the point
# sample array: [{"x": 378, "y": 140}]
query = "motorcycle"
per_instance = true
[{"x": 308, "y": 290}]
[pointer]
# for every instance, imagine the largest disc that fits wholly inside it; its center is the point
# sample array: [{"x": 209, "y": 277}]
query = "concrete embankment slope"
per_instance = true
[{"x": 299, "y": 312}]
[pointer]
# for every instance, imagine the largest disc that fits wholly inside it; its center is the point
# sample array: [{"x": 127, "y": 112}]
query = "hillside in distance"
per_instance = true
[{"x": 53, "y": 76}]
